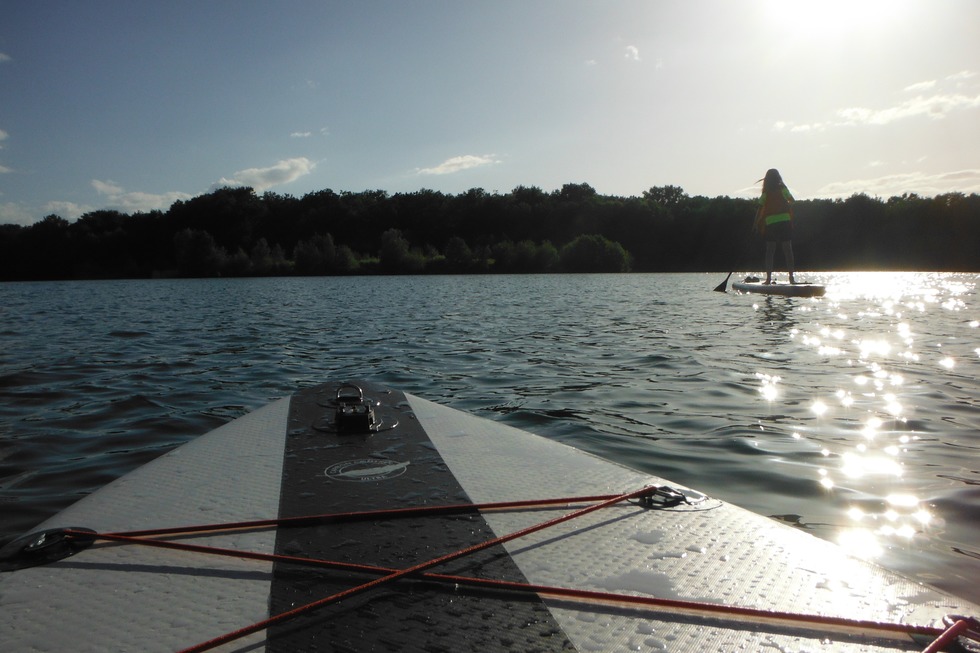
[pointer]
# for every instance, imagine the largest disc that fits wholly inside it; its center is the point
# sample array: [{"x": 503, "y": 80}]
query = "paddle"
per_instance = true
[{"x": 723, "y": 286}]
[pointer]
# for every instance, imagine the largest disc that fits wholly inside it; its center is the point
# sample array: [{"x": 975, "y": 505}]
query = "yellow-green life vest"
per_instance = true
[{"x": 776, "y": 207}]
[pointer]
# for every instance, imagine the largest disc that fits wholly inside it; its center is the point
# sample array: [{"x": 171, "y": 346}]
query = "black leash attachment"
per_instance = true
[
  {"x": 660, "y": 497},
  {"x": 42, "y": 547},
  {"x": 355, "y": 414}
]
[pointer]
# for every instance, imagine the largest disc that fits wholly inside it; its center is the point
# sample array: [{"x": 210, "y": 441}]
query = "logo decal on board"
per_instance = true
[{"x": 367, "y": 469}]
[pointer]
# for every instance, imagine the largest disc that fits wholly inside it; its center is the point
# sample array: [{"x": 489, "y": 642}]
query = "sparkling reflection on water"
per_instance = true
[
  {"x": 890, "y": 336},
  {"x": 853, "y": 416}
]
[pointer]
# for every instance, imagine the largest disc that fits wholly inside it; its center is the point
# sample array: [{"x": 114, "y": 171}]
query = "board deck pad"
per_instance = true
[{"x": 326, "y": 471}]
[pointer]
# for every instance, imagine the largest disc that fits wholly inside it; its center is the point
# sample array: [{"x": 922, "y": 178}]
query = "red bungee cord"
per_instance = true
[
  {"x": 262, "y": 625},
  {"x": 959, "y": 627},
  {"x": 819, "y": 623},
  {"x": 389, "y": 513}
]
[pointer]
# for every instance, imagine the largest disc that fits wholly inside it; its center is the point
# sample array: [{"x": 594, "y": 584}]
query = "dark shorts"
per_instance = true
[{"x": 779, "y": 232}]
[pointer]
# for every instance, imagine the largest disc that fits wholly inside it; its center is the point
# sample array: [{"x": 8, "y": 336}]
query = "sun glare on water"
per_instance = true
[
  {"x": 875, "y": 337},
  {"x": 860, "y": 543}
]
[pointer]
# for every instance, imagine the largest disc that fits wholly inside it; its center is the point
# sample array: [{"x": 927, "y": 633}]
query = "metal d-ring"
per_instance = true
[{"x": 349, "y": 397}]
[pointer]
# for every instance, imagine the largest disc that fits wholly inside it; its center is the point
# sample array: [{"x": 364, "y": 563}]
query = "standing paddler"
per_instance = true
[{"x": 774, "y": 220}]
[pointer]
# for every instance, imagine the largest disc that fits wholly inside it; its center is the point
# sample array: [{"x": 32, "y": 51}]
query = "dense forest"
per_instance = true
[{"x": 235, "y": 232}]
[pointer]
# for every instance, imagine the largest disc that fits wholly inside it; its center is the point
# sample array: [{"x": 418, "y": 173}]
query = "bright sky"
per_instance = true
[{"x": 132, "y": 105}]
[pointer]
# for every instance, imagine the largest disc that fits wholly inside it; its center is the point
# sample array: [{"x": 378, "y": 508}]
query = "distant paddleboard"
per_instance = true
[{"x": 753, "y": 285}]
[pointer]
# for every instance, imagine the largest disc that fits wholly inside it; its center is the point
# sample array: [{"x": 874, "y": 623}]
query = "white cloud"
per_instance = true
[
  {"x": 920, "y": 86},
  {"x": 935, "y": 106},
  {"x": 129, "y": 202},
  {"x": 632, "y": 53},
  {"x": 107, "y": 187},
  {"x": 961, "y": 76},
  {"x": 261, "y": 179},
  {"x": 323, "y": 131},
  {"x": 921, "y": 183},
  {"x": 67, "y": 210},
  {"x": 15, "y": 213},
  {"x": 11, "y": 213},
  {"x": 783, "y": 125},
  {"x": 3, "y": 169},
  {"x": 458, "y": 164},
  {"x": 4, "y": 57}
]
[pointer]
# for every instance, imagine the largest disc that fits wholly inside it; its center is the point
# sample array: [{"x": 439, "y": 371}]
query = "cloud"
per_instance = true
[
  {"x": 956, "y": 79},
  {"x": 262, "y": 179},
  {"x": 458, "y": 164},
  {"x": 116, "y": 198},
  {"x": 129, "y": 202},
  {"x": 632, "y": 53},
  {"x": 107, "y": 188},
  {"x": 323, "y": 131},
  {"x": 14, "y": 213},
  {"x": 935, "y": 106},
  {"x": 921, "y": 183},
  {"x": 67, "y": 210},
  {"x": 5, "y": 57},
  {"x": 11, "y": 213},
  {"x": 961, "y": 76},
  {"x": 4, "y": 169},
  {"x": 920, "y": 86}
]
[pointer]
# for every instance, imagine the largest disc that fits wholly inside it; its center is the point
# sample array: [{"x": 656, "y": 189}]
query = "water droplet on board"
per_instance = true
[{"x": 651, "y": 537}]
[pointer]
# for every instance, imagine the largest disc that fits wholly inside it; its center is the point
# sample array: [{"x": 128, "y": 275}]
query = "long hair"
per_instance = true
[
  {"x": 773, "y": 190},
  {"x": 772, "y": 182}
]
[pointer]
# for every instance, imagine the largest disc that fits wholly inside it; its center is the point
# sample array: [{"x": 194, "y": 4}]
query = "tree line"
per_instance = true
[{"x": 236, "y": 232}]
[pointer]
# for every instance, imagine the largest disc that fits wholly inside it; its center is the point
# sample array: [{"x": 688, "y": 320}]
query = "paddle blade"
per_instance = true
[{"x": 723, "y": 286}]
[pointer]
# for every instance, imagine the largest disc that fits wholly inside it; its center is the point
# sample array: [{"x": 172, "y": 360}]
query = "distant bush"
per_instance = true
[
  {"x": 397, "y": 256},
  {"x": 592, "y": 253}
]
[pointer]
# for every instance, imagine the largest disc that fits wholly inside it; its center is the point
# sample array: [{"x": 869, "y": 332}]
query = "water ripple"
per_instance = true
[{"x": 853, "y": 416}]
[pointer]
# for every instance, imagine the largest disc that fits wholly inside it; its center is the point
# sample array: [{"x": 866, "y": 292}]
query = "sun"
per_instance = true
[{"x": 830, "y": 18}]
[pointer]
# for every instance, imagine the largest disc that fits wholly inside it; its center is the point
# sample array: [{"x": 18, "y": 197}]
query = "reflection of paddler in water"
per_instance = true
[
  {"x": 774, "y": 220},
  {"x": 777, "y": 316}
]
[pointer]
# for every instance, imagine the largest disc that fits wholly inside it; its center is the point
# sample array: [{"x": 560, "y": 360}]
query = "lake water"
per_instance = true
[{"x": 853, "y": 416}]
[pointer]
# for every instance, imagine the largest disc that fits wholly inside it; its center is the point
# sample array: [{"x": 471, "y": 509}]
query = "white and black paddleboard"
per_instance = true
[
  {"x": 358, "y": 518},
  {"x": 754, "y": 285}
]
